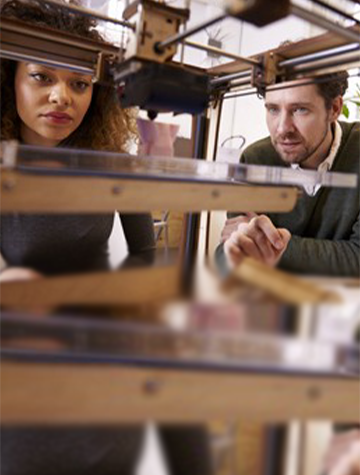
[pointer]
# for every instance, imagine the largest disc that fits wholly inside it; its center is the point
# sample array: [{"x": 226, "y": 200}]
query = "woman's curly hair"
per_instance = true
[{"x": 105, "y": 126}]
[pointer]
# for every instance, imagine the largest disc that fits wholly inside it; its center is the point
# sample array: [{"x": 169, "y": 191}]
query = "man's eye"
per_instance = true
[
  {"x": 272, "y": 110},
  {"x": 301, "y": 110},
  {"x": 80, "y": 85},
  {"x": 41, "y": 77}
]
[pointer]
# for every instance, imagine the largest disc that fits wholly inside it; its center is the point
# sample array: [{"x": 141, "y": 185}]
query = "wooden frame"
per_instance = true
[{"x": 106, "y": 394}]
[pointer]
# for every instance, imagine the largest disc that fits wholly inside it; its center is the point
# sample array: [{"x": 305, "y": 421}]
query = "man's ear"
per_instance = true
[{"x": 336, "y": 108}]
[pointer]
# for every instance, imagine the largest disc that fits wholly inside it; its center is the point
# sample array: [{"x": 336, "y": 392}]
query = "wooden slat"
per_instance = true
[
  {"x": 85, "y": 394},
  {"x": 48, "y": 194},
  {"x": 292, "y": 50},
  {"x": 127, "y": 287},
  {"x": 282, "y": 285}
]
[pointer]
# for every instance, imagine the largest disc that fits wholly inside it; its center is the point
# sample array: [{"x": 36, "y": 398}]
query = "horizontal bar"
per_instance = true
[
  {"x": 91, "y": 13},
  {"x": 142, "y": 286},
  {"x": 189, "y": 32},
  {"x": 54, "y": 394},
  {"x": 221, "y": 52},
  {"x": 320, "y": 55},
  {"x": 336, "y": 10},
  {"x": 26, "y": 192},
  {"x": 322, "y": 22},
  {"x": 230, "y": 77}
]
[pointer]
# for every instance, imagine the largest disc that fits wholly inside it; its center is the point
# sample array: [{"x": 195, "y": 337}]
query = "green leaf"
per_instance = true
[{"x": 345, "y": 111}]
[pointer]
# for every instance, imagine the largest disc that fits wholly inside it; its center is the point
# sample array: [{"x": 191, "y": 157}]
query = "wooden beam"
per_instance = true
[
  {"x": 289, "y": 51},
  {"x": 284, "y": 286},
  {"x": 126, "y": 287},
  {"x": 62, "y": 394},
  {"x": 25, "y": 193}
]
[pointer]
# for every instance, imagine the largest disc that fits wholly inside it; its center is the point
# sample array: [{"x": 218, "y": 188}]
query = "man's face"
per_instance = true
[{"x": 299, "y": 123}]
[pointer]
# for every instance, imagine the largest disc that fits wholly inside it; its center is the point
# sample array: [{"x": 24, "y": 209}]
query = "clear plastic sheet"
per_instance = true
[
  {"x": 58, "y": 161},
  {"x": 93, "y": 340}
]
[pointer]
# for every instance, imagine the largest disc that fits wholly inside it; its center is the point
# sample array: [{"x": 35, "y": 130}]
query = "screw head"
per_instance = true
[
  {"x": 117, "y": 190},
  {"x": 151, "y": 387},
  {"x": 8, "y": 185}
]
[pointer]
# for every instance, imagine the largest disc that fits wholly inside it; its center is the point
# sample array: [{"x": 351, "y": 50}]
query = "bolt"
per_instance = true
[
  {"x": 215, "y": 194},
  {"x": 151, "y": 387},
  {"x": 117, "y": 190},
  {"x": 8, "y": 185},
  {"x": 284, "y": 195},
  {"x": 314, "y": 393}
]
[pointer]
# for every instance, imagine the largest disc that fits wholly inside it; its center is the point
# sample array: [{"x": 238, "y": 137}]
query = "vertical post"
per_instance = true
[{"x": 192, "y": 220}]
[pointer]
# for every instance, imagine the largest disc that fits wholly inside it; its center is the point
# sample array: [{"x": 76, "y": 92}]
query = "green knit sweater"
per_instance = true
[{"x": 325, "y": 227}]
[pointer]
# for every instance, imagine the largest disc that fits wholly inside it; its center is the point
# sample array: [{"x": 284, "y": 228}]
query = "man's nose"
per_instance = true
[
  {"x": 60, "y": 94},
  {"x": 285, "y": 124}
]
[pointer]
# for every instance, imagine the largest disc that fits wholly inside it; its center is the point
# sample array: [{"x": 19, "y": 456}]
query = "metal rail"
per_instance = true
[{"x": 90, "y": 13}]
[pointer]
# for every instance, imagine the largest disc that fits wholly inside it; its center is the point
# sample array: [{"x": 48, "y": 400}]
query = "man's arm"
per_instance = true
[
  {"x": 324, "y": 257},
  {"x": 307, "y": 255}
]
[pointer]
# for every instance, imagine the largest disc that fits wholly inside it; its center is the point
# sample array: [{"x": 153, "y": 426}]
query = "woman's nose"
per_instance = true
[{"x": 60, "y": 95}]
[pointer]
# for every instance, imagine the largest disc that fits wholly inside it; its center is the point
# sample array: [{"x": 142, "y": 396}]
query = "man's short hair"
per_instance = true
[
  {"x": 329, "y": 86},
  {"x": 332, "y": 85}
]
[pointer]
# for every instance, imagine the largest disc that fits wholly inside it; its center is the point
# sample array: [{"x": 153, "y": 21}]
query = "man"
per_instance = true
[{"x": 321, "y": 235}]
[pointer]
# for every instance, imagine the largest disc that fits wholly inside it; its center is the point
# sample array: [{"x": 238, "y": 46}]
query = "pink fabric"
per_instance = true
[{"x": 156, "y": 138}]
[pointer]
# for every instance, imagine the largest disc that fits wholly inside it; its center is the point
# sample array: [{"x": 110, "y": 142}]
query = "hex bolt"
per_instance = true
[
  {"x": 314, "y": 393},
  {"x": 117, "y": 189},
  {"x": 151, "y": 387},
  {"x": 8, "y": 185}
]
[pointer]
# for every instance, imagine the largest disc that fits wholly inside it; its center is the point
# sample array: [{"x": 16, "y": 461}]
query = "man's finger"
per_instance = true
[
  {"x": 231, "y": 226},
  {"x": 248, "y": 246},
  {"x": 271, "y": 232}
]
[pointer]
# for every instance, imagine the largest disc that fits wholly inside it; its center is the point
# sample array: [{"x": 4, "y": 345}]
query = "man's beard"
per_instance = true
[{"x": 305, "y": 151}]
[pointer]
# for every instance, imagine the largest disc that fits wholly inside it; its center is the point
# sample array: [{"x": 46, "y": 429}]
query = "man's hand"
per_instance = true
[
  {"x": 255, "y": 237},
  {"x": 343, "y": 455},
  {"x": 231, "y": 225}
]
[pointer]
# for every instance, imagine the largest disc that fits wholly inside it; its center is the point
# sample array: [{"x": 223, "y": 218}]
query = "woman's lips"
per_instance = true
[{"x": 58, "y": 118}]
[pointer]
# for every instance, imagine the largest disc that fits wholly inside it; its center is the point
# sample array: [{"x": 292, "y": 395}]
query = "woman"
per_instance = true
[
  {"x": 61, "y": 108},
  {"x": 45, "y": 106}
]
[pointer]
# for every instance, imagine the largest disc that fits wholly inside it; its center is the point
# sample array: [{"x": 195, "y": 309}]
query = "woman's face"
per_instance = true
[{"x": 51, "y": 103}]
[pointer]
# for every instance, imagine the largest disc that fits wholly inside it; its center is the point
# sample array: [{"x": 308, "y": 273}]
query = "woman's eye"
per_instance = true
[
  {"x": 41, "y": 77},
  {"x": 80, "y": 85}
]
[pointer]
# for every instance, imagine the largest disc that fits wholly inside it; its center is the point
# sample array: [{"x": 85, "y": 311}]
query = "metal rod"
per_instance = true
[
  {"x": 278, "y": 87},
  {"x": 45, "y": 61},
  {"x": 230, "y": 77},
  {"x": 322, "y": 22},
  {"x": 348, "y": 61},
  {"x": 221, "y": 52},
  {"x": 160, "y": 46},
  {"x": 336, "y": 10},
  {"x": 92, "y": 13},
  {"x": 242, "y": 82},
  {"x": 319, "y": 55}
]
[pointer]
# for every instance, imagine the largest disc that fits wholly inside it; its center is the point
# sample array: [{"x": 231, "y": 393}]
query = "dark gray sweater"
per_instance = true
[{"x": 56, "y": 243}]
